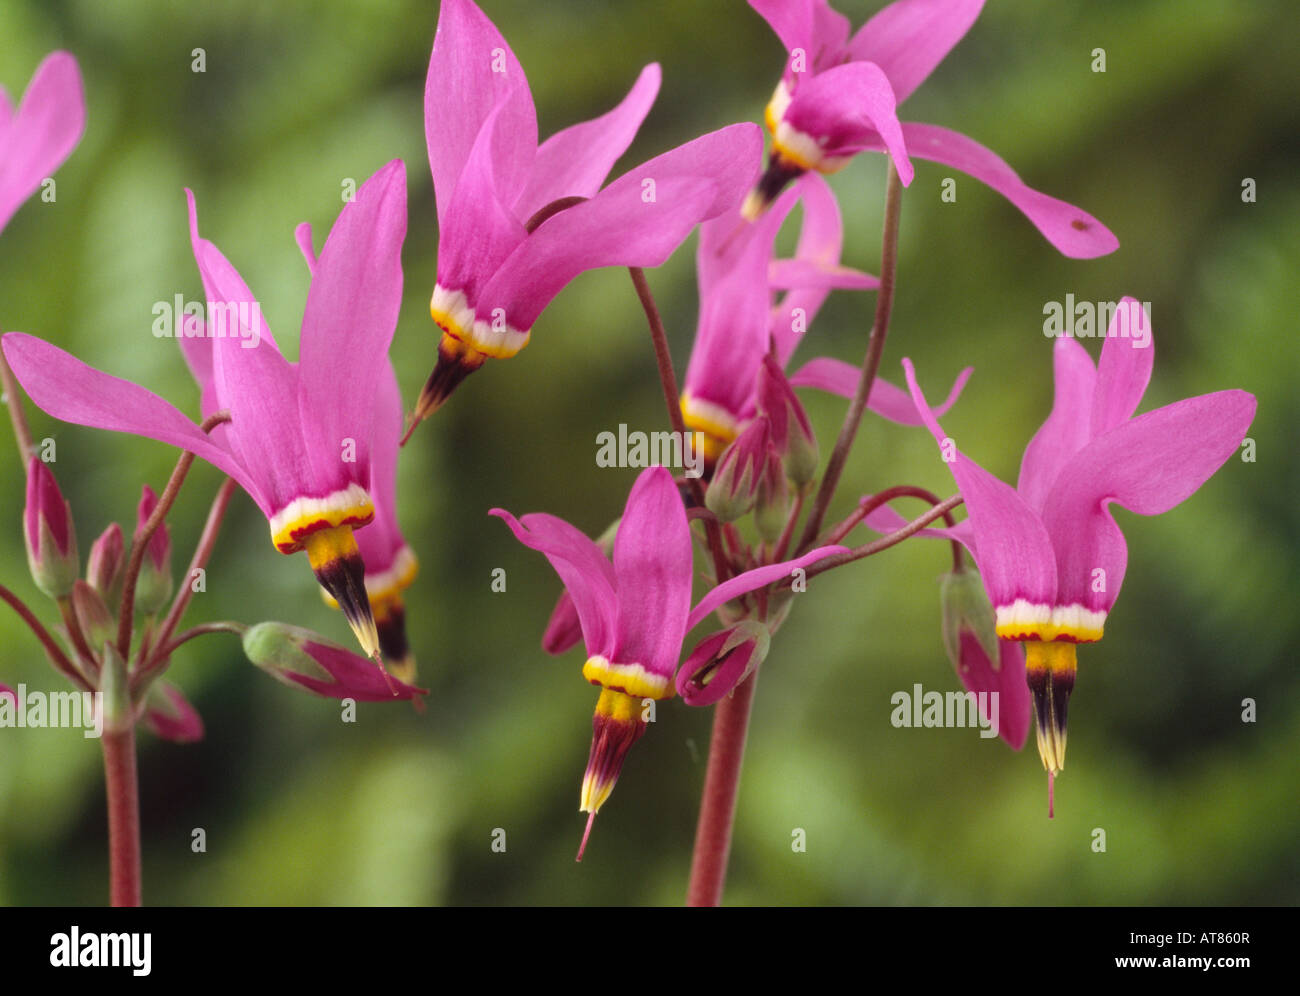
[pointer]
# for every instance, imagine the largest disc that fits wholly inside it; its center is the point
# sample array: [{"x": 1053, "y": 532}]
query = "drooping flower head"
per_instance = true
[
  {"x": 502, "y": 253},
  {"x": 390, "y": 564},
  {"x": 40, "y": 134},
  {"x": 741, "y": 321},
  {"x": 1051, "y": 556},
  {"x": 826, "y": 106},
  {"x": 300, "y": 434},
  {"x": 634, "y": 612}
]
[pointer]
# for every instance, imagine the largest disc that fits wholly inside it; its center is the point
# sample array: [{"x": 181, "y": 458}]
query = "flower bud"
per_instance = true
[
  {"x": 734, "y": 487},
  {"x": 772, "y": 506},
  {"x": 105, "y": 566},
  {"x": 48, "y": 532},
  {"x": 722, "y": 661},
  {"x": 792, "y": 433},
  {"x": 170, "y": 716},
  {"x": 154, "y": 586},
  {"x": 300, "y": 658},
  {"x": 96, "y": 620},
  {"x": 966, "y": 608}
]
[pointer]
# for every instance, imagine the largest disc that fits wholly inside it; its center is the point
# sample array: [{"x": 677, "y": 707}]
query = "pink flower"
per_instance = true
[
  {"x": 300, "y": 436},
  {"x": 36, "y": 139},
  {"x": 1051, "y": 556},
  {"x": 170, "y": 716},
  {"x": 740, "y": 323},
  {"x": 823, "y": 109},
  {"x": 634, "y": 612},
  {"x": 299, "y": 658},
  {"x": 500, "y": 262}
]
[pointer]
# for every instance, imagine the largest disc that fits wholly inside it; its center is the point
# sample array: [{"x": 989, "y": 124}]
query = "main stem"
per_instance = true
[
  {"x": 718, "y": 804},
  {"x": 123, "y": 793},
  {"x": 870, "y": 364}
]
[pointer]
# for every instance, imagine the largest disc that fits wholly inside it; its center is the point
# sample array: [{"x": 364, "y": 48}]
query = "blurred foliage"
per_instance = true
[{"x": 298, "y": 807}]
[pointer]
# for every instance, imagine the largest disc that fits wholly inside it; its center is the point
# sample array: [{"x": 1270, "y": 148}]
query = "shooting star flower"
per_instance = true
[{"x": 825, "y": 106}]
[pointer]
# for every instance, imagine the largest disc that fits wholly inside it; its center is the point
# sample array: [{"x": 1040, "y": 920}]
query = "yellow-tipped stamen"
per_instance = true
[
  {"x": 1050, "y": 670},
  {"x": 334, "y": 557}
]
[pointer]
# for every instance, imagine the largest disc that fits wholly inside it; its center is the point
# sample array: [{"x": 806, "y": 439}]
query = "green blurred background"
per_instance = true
[{"x": 301, "y": 808}]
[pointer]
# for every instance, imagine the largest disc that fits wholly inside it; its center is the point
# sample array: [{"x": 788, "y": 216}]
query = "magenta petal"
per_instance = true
[
  {"x": 1074, "y": 232},
  {"x": 1148, "y": 465},
  {"x": 1067, "y": 429},
  {"x": 884, "y": 520},
  {"x": 302, "y": 235},
  {"x": 724, "y": 679},
  {"x": 1007, "y": 682},
  {"x": 1014, "y": 552},
  {"x": 470, "y": 70},
  {"x": 587, "y": 574},
  {"x": 354, "y": 676},
  {"x": 564, "y": 629},
  {"x": 260, "y": 388},
  {"x": 731, "y": 336},
  {"x": 784, "y": 274},
  {"x": 382, "y": 540},
  {"x": 215, "y": 269},
  {"x": 757, "y": 578},
  {"x": 575, "y": 162},
  {"x": 909, "y": 38},
  {"x": 479, "y": 230},
  {"x": 652, "y": 562},
  {"x": 848, "y": 109},
  {"x": 348, "y": 323},
  {"x": 809, "y": 25},
  {"x": 885, "y": 399},
  {"x": 631, "y": 222},
  {"x": 1124, "y": 369},
  {"x": 67, "y": 389},
  {"x": 45, "y": 129}
]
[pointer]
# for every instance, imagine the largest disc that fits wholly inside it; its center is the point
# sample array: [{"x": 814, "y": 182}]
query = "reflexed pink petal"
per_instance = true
[
  {"x": 348, "y": 323},
  {"x": 302, "y": 235},
  {"x": 1007, "y": 682},
  {"x": 575, "y": 162},
  {"x": 1073, "y": 232},
  {"x": 353, "y": 677},
  {"x": 803, "y": 273},
  {"x": 382, "y": 540},
  {"x": 67, "y": 389},
  {"x": 587, "y": 574},
  {"x": 886, "y": 400},
  {"x": 724, "y": 678},
  {"x": 757, "y": 578},
  {"x": 1014, "y": 552},
  {"x": 1066, "y": 430},
  {"x": 1148, "y": 465},
  {"x": 471, "y": 68},
  {"x": 731, "y": 337},
  {"x": 564, "y": 629},
  {"x": 629, "y": 223},
  {"x": 213, "y": 267},
  {"x": 810, "y": 25},
  {"x": 848, "y": 109},
  {"x": 260, "y": 388},
  {"x": 652, "y": 563},
  {"x": 909, "y": 38},
  {"x": 480, "y": 230},
  {"x": 45, "y": 129},
  {"x": 1124, "y": 369}
]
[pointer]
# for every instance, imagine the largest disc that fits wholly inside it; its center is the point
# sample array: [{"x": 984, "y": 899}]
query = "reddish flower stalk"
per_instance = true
[
  {"x": 123, "y": 795},
  {"x": 718, "y": 803},
  {"x": 22, "y": 432},
  {"x": 871, "y": 363}
]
